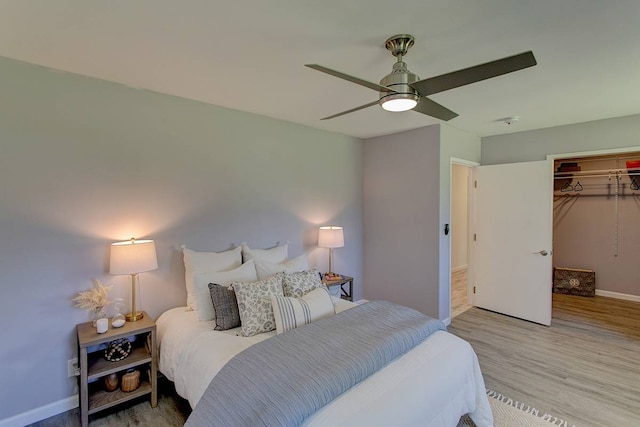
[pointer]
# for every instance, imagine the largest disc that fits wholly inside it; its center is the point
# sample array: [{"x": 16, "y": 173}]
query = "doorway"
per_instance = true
[
  {"x": 459, "y": 259},
  {"x": 596, "y": 204}
]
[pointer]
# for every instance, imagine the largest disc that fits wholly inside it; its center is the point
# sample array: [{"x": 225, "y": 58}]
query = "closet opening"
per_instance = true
[{"x": 596, "y": 227}]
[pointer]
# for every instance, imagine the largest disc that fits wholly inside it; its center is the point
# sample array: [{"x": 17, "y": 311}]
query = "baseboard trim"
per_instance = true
[
  {"x": 41, "y": 413},
  {"x": 447, "y": 321},
  {"x": 459, "y": 268},
  {"x": 618, "y": 295}
]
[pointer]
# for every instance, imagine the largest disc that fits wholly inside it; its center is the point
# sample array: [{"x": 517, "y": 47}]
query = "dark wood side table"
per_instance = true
[
  {"x": 93, "y": 366},
  {"x": 344, "y": 280}
]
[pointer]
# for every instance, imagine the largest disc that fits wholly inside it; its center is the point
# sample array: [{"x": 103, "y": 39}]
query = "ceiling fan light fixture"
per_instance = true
[{"x": 399, "y": 102}]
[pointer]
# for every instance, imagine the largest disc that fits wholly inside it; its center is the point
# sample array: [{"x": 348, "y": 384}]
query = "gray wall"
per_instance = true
[
  {"x": 406, "y": 204},
  {"x": 85, "y": 162},
  {"x": 536, "y": 144},
  {"x": 401, "y": 217}
]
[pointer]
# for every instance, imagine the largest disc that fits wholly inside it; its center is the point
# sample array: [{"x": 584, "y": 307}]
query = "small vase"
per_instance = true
[
  {"x": 111, "y": 382},
  {"x": 98, "y": 313}
]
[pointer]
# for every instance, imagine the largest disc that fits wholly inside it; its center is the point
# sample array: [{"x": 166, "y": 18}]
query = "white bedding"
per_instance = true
[{"x": 431, "y": 386}]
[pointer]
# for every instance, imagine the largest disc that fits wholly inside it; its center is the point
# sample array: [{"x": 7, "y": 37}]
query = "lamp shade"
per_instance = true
[
  {"x": 133, "y": 256},
  {"x": 330, "y": 236}
]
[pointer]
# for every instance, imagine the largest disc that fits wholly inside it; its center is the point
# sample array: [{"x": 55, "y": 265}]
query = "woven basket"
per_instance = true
[{"x": 573, "y": 281}]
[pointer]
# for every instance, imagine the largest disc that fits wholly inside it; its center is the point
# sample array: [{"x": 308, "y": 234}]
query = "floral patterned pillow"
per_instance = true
[
  {"x": 300, "y": 283},
  {"x": 254, "y": 304}
]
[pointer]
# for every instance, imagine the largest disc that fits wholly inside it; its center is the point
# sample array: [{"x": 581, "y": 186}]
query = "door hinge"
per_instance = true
[
  {"x": 475, "y": 184},
  {"x": 475, "y": 237},
  {"x": 474, "y": 289}
]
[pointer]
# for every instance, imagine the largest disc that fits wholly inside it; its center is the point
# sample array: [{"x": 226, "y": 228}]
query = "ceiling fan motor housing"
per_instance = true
[{"x": 399, "y": 80}]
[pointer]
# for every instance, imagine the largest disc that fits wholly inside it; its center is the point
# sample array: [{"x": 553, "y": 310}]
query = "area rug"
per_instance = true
[{"x": 510, "y": 413}]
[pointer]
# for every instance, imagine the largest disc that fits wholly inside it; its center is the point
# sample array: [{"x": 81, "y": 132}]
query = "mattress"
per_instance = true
[{"x": 432, "y": 385}]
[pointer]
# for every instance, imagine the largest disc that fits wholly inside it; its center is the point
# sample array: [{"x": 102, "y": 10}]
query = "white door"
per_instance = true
[{"x": 513, "y": 239}]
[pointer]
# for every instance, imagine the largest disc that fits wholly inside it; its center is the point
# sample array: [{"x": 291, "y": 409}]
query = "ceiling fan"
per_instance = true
[{"x": 401, "y": 90}]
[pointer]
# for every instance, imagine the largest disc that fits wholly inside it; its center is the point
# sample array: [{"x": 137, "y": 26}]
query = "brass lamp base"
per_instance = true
[{"x": 134, "y": 317}]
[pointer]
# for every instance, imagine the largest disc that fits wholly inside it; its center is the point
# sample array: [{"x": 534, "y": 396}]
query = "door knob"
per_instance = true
[{"x": 542, "y": 252}]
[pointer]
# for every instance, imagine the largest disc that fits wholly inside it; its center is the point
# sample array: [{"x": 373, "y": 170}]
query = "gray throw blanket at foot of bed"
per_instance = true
[{"x": 285, "y": 379}]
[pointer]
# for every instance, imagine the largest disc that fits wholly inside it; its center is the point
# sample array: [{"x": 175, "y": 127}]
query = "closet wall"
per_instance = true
[{"x": 596, "y": 230}]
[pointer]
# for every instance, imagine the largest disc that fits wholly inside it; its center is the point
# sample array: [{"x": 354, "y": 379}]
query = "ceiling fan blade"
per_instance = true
[
  {"x": 474, "y": 74},
  {"x": 351, "y": 110},
  {"x": 433, "y": 109},
  {"x": 370, "y": 85}
]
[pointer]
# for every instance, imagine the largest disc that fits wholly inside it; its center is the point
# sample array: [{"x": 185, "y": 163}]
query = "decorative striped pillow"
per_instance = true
[{"x": 291, "y": 312}]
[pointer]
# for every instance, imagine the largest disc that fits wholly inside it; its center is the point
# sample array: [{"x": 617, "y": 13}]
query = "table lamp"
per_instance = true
[
  {"x": 331, "y": 236},
  {"x": 133, "y": 257}
]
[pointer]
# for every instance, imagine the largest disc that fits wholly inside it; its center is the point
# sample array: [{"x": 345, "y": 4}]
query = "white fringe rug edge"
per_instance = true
[{"x": 528, "y": 409}]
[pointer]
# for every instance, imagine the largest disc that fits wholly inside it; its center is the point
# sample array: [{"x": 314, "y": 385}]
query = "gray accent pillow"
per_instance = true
[{"x": 225, "y": 306}]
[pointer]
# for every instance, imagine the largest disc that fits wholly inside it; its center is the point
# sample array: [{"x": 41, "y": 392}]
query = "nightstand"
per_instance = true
[
  {"x": 344, "y": 280},
  {"x": 94, "y": 367}
]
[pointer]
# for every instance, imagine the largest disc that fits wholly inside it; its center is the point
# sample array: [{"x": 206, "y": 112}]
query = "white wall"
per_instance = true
[
  {"x": 85, "y": 162},
  {"x": 459, "y": 216},
  {"x": 406, "y": 205}
]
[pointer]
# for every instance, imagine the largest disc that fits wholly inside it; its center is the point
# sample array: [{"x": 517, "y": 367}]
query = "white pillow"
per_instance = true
[
  {"x": 291, "y": 313},
  {"x": 207, "y": 262},
  {"x": 277, "y": 254},
  {"x": 267, "y": 268},
  {"x": 254, "y": 305},
  {"x": 202, "y": 304}
]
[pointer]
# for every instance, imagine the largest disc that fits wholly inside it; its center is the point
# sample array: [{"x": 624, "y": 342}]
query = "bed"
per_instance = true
[
  {"x": 262, "y": 342},
  {"x": 433, "y": 384}
]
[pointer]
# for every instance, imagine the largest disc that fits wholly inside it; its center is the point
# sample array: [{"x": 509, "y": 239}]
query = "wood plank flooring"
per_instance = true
[
  {"x": 459, "y": 293},
  {"x": 584, "y": 368}
]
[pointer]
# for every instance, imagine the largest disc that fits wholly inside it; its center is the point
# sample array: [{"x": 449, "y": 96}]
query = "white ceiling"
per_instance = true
[{"x": 249, "y": 55}]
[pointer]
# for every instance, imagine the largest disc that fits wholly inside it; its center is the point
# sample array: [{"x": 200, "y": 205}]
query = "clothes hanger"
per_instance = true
[
  {"x": 578, "y": 187},
  {"x": 566, "y": 187}
]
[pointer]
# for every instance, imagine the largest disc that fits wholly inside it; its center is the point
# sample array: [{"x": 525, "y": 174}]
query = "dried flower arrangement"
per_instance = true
[{"x": 95, "y": 299}]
